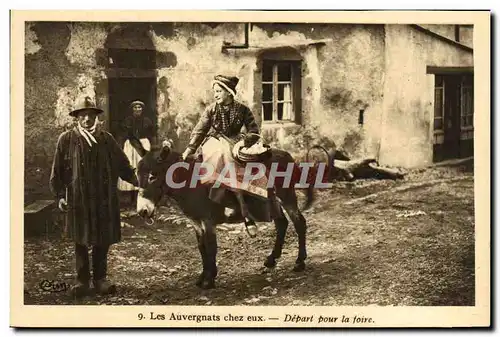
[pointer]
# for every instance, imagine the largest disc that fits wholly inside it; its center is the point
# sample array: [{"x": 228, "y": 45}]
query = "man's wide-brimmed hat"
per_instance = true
[
  {"x": 84, "y": 103},
  {"x": 227, "y": 82},
  {"x": 141, "y": 103}
]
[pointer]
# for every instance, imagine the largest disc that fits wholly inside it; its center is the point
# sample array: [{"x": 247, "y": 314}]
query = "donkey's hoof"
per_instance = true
[
  {"x": 200, "y": 280},
  {"x": 270, "y": 262},
  {"x": 299, "y": 266},
  {"x": 208, "y": 284}
]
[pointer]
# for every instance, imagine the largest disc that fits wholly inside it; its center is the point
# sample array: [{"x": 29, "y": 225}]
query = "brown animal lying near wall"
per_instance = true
[
  {"x": 362, "y": 169},
  {"x": 343, "y": 168}
]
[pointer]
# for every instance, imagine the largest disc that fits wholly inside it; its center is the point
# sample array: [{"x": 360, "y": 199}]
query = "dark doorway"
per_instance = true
[
  {"x": 124, "y": 90},
  {"x": 453, "y": 116},
  {"x": 131, "y": 72},
  {"x": 132, "y": 76}
]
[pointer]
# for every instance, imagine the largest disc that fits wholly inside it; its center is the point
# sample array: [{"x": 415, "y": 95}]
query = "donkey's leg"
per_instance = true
[
  {"x": 300, "y": 225},
  {"x": 299, "y": 222},
  {"x": 281, "y": 225},
  {"x": 210, "y": 243},
  {"x": 201, "y": 247}
]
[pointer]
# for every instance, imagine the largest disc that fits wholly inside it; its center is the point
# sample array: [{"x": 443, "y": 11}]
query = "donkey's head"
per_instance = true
[{"x": 151, "y": 172}]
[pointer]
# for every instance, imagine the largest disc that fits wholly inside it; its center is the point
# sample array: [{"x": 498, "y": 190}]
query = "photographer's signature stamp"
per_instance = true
[{"x": 53, "y": 286}]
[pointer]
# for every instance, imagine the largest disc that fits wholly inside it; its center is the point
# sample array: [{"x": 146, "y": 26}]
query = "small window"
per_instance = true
[
  {"x": 438, "y": 109},
  {"x": 280, "y": 89},
  {"x": 466, "y": 103}
]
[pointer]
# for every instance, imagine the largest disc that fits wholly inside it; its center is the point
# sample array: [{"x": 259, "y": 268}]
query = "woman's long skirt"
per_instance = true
[{"x": 226, "y": 171}]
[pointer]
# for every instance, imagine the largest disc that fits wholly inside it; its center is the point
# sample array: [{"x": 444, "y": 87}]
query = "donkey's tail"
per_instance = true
[{"x": 310, "y": 197}]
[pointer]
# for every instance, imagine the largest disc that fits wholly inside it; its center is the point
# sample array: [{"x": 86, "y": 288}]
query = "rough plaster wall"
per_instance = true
[
  {"x": 198, "y": 51},
  {"x": 408, "y": 91},
  {"x": 59, "y": 66},
  {"x": 338, "y": 80},
  {"x": 31, "y": 44},
  {"x": 447, "y": 31},
  {"x": 46, "y": 69},
  {"x": 290, "y": 136},
  {"x": 467, "y": 36},
  {"x": 85, "y": 39},
  {"x": 187, "y": 85},
  {"x": 352, "y": 69}
]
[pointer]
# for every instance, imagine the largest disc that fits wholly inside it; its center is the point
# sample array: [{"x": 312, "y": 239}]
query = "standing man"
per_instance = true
[{"x": 85, "y": 171}]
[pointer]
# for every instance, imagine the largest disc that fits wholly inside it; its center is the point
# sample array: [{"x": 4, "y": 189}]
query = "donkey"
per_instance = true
[{"x": 206, "y": 214}]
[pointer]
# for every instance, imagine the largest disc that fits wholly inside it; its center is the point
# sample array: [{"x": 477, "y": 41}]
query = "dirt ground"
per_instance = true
[{"x": 370, "y": 242}]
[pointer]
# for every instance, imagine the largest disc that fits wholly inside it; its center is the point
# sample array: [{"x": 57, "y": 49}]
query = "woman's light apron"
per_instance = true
[{"x": 134, "y": 159}]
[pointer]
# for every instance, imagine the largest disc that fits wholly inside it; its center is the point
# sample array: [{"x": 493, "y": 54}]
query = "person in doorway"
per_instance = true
[
  {"x": 84, "y": 177},
  {"x": 141, "y": 127},
  {"x": 218, "y": 129}
]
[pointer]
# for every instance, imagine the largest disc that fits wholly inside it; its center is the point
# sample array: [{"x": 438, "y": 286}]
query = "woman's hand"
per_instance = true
[
  {"x": 134, "y": 181},
  {"x": 250, "y": 139}
]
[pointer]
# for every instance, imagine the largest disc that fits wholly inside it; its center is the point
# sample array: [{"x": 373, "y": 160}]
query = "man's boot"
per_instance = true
[
  {"x": 81, "y": 286},
  {"x": 99, "y": 263}
]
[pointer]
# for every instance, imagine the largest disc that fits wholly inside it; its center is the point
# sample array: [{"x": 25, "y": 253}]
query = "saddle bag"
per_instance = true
[{"x": 257, "y": 152}]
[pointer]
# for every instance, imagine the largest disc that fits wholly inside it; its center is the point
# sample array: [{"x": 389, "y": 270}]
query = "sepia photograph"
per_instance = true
[{"x": 213, "y": 163}]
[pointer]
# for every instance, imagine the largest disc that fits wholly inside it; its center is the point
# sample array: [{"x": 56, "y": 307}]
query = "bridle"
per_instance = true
[{"x": 149, "y": 220}]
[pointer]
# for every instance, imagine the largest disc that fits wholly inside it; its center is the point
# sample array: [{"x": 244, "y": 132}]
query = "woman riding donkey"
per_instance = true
[{"x": 217, "y": 131}]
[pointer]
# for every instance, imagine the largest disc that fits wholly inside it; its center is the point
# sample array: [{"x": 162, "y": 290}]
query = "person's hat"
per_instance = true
[
  {"x": 84, "y": 103},
  {"x": 137, "y": 102},
  {"x": 227, "y": 82}
]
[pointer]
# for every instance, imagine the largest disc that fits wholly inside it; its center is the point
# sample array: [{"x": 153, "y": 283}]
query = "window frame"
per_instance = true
[
  {"x": 295, "y": 76},
  {"x": 439, "y": 133},
  {"x": 464, "y": 115}
]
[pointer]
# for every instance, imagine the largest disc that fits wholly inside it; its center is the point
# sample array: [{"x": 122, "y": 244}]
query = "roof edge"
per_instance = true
[{"x": 442, "y": 38}]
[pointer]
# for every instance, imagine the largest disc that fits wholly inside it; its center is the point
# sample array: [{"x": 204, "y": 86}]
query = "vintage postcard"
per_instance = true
[{"x": 250, "y": 169}]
